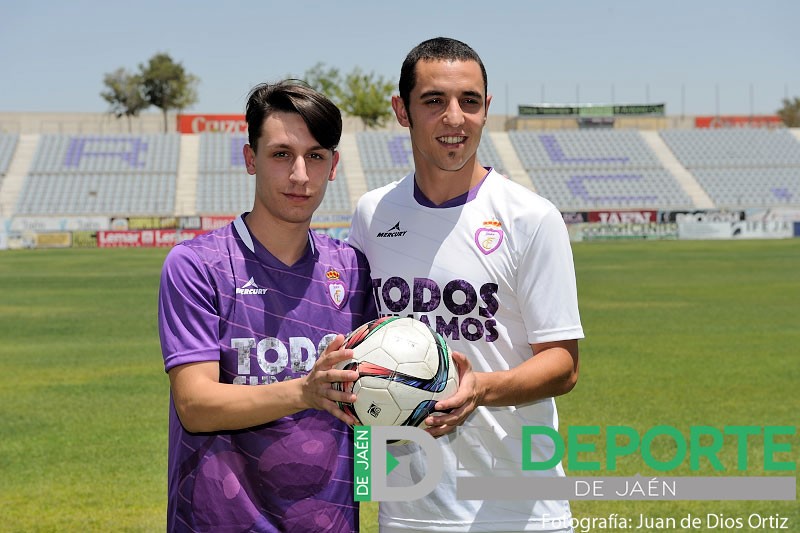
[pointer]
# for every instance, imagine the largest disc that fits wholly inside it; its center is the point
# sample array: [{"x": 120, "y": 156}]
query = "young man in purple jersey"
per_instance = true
[
  {"x": 251, "y": 318},
  {"x": 488, "y": 264}
]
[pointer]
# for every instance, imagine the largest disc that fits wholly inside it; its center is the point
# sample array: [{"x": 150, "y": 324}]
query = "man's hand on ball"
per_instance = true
[
  {"x": 318, "y": 391},
  {"x": 461, "y": 404}
]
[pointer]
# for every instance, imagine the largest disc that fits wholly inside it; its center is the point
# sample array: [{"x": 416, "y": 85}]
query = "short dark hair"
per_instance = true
[
  {"x": 323, "y": 118},
  {"x": 436, "y": 49}
]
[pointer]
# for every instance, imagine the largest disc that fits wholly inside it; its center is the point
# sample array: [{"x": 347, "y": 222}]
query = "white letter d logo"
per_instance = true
[{"x": 380, "y": 436}]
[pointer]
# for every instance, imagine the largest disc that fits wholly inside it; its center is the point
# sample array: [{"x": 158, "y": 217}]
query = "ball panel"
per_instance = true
[
  {"x": 368, "y": 330},
  {"x": 376, "y": 406},
  {"x": 408, "y": 397},
  {"x": 417, "y": 416},
  {"x": 374, "y": 360},
  {"x": 405, "y": 344},
  {"x": 418, "y": 369}
]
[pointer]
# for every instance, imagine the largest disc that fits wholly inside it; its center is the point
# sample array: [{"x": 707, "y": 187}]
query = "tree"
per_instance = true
[
  {"x": 328, "y": 81},
  {"x": 124, "y": 94},
  {"x": 361, "y": 95},
  {"x": 167, "y": 85},
  {"x": 790, "y": 112},
  {"x": 367, "y": 97}
]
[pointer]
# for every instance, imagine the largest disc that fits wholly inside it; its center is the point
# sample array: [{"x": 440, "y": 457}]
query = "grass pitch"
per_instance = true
[
  {"x": 689, "y": 334},
  {"x": 678, "y": 333}
]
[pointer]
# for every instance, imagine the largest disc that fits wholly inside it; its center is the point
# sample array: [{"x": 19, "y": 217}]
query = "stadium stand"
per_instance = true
[
  {"x": 385, "y": 156},
  {"x": 488, "y": 154},
  {"x": 167, "y": 175},
  {"x": 741, "y": 167},
  {"x": 224, "y": 193},
  {"x": 337, "y": 196},
  {"x": 597, "y": 169},
  {"x": 186, "y": 185},
  {"x": 223, "y": 184},
  {"x": 222, "y": 152},
  {"x": 8, "y": 143},
  {"x": 101, "y": 175},
  {"x": 98, "y": 194}
]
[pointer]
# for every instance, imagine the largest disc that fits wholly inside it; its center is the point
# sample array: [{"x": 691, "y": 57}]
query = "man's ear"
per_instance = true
[
  {"x": 400, "y": 111},
  {"x": 332, "y": 175},
  {"x": 249, "y": 159}
]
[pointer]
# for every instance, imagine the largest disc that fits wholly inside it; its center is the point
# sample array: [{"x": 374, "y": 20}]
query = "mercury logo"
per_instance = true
[
  {"x": 394, "y": 231},
  {"x": 250, "y": 288}
]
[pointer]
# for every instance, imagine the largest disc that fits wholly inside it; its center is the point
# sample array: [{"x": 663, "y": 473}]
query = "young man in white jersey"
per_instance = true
[
  {"x": 256, "y": 439},
  {"x": 488, "y": 264}
]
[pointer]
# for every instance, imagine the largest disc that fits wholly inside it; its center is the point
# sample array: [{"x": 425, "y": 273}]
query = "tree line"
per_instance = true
[
  {"x": 165, "y": 84},
  {"x": 161, "y": 82}
]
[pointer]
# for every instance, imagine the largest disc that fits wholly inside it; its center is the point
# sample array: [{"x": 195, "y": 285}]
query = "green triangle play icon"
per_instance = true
[{"x": 391, "y": 463}]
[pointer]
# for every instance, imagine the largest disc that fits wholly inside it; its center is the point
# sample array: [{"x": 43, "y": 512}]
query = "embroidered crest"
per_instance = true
[
  {"x": 336, "y": 289},
  {"x": 489, "y": 237}
]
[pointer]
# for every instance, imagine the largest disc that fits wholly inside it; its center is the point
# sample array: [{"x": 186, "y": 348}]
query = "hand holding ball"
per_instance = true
[{"x": 404, "y": 369}]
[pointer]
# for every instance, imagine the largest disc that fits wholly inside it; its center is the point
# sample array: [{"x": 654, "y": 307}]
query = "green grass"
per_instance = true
[
  {"x": 83, "y": 395},
  {"x": 678, "y": 333},
  {"x": 688, "y": 334}
]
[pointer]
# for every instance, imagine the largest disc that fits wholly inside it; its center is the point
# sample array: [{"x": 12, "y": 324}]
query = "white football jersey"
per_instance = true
[{"x": 493, "y": 273}]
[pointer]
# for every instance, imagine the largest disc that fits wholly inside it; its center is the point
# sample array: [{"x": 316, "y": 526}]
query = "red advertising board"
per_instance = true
[
  {"x": 144, "y": 238},
  {"x": 212, "y": 123},
  {"x": 738, "y": 121}
]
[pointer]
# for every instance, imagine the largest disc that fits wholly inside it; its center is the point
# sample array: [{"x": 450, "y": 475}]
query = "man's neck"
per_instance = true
[
  {"x": 286, "y": 241},
  {"x": 439, "y": 186}
]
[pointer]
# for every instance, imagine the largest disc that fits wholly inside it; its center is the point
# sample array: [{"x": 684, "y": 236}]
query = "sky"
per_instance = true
[{"x": 699, "y": 57}]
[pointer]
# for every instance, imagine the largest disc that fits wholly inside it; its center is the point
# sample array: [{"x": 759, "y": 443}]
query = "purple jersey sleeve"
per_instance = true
[{"x": 188, "y": 320}]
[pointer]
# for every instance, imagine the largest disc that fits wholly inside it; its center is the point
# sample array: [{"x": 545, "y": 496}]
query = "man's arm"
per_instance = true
[
  {"x": 204, "y": 404},
  {"x": 552, "y": 371}
]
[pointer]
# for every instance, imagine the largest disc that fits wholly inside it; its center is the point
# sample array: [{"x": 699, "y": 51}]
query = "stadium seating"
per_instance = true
[
  {"x": 223, "y": 184},
  {"x": 8, "y": 142},
  {"x": 751, "y": 187},
  {"x": 337, "y": 195},
  {"x": 113, "y": 175},
  {"x": 736, "y": 147},
  {"x": 111, "y": 194},
  {"x": 106, "y": 153},
  {"x": 385, "y": 156},
  {"x": 578, "y": 169},
  {"x": 136, "y": 175},
  {"x": 741, "y": 167}
]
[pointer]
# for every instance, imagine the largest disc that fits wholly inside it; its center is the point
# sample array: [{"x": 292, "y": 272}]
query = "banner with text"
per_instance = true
[{"x": 212, "y": 123}]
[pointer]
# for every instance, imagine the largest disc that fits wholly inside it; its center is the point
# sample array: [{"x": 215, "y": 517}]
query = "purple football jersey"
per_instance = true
[{"x": 225, "y": 298}]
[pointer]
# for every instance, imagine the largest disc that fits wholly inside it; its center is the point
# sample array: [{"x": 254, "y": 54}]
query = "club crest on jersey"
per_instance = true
[
  {"x": 489, "y": 237},
  {"x": 336, "y": 289}
]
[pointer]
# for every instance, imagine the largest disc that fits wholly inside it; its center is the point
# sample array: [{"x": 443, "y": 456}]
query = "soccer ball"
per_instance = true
[{"x": 404, "y": 368}]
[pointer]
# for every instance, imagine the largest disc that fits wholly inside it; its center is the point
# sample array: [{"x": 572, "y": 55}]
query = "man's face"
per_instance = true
[
  {"x": 292, "y": 170},
  {"x": 446, "y": 114}
]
